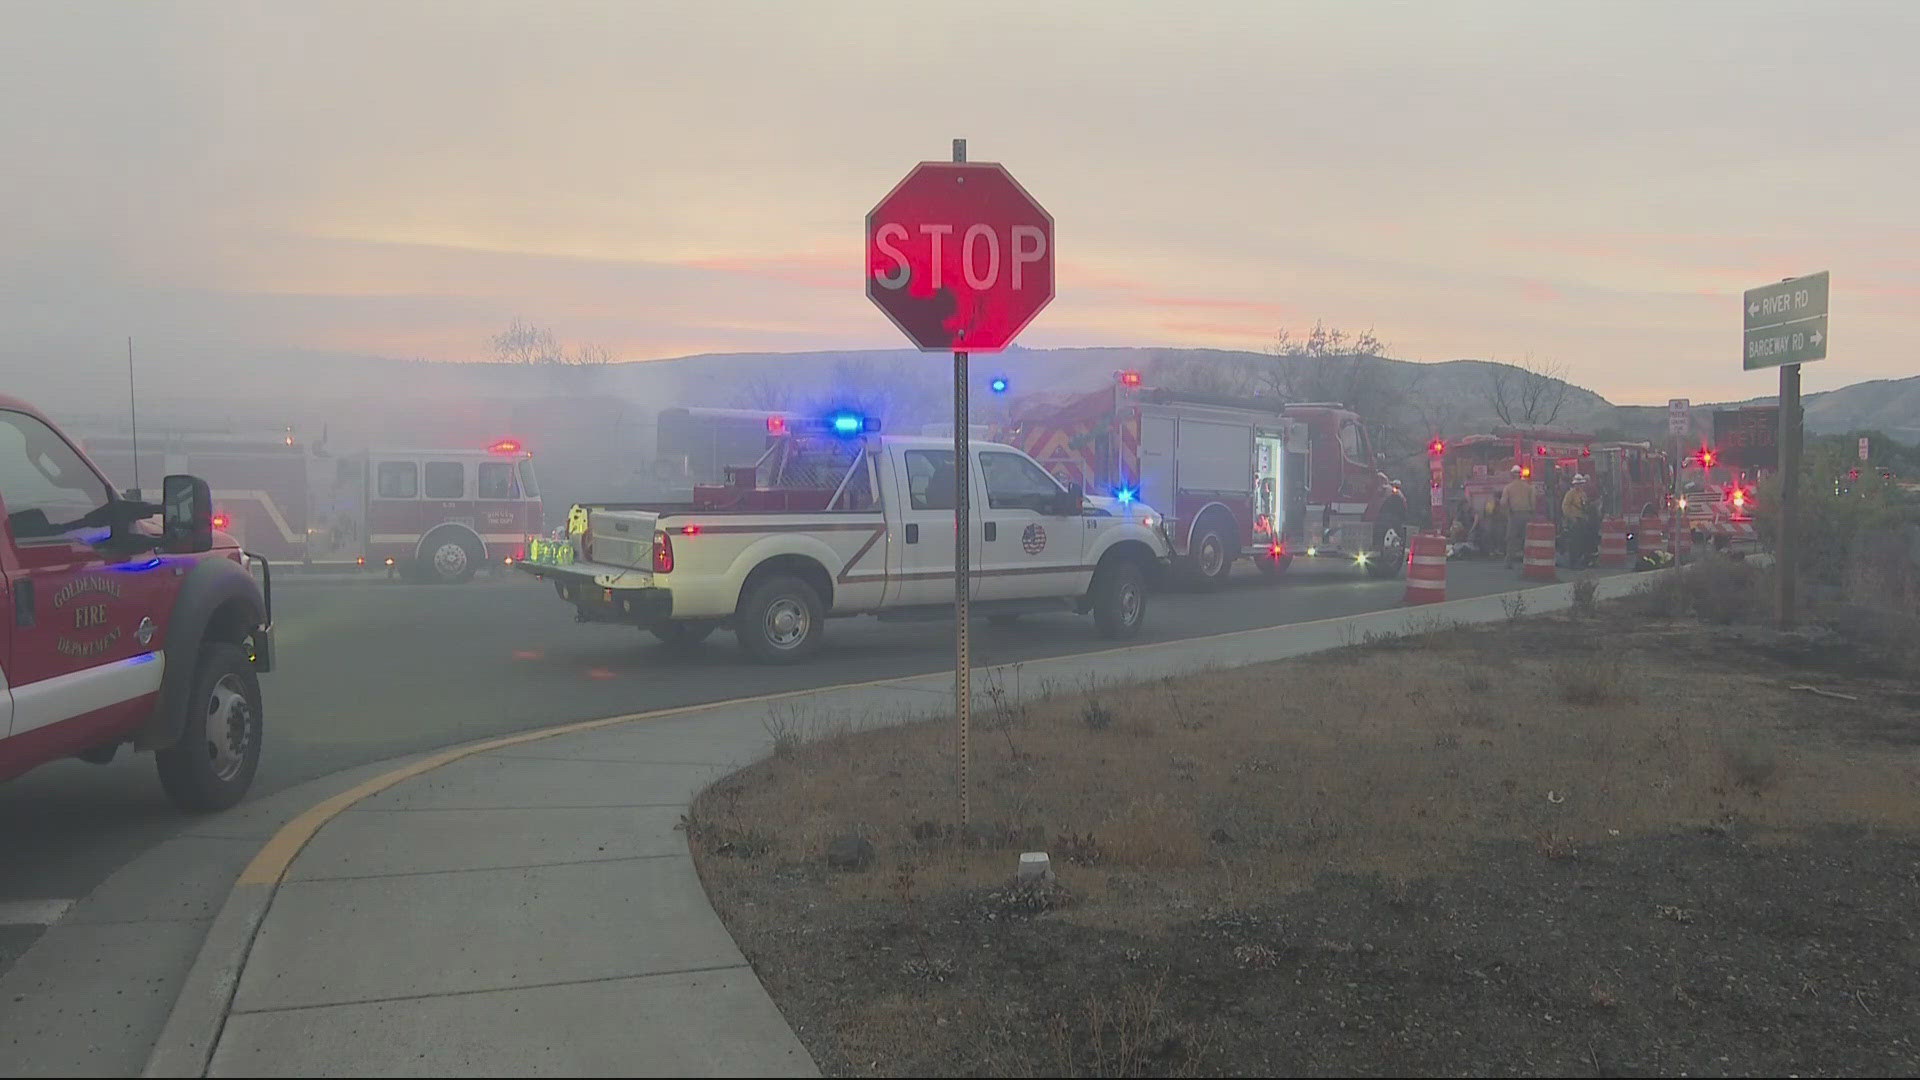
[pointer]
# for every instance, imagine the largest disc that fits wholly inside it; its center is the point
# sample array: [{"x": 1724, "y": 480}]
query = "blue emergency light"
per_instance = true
[
  {"x": 999, "y": 384},
  {"x": 847, "y": 423}
]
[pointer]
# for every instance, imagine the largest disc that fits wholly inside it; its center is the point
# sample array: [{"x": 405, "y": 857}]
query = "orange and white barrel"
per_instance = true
[
  {"x": 1653, "y": 537},
  {"x": 1539, "y": 553},
  {"x": 1613, "y": 543},
  {"x": 1426, "y": 570}
]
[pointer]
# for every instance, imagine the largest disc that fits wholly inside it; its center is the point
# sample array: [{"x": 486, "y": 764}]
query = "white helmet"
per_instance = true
[{"x": 1579, "y": 478}]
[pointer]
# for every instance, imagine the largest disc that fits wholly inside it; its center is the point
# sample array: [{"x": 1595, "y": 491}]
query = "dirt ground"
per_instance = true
[{"x": 1612, "y": 844}]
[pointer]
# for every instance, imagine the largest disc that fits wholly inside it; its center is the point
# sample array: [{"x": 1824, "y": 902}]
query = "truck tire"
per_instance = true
[
  {"x": 1389, "y": 555},
  {"x": 1119, "y": 596},
  {"x": 683, "y": 633},
  {"x": 781, "y": 620},
  {"x": 1210, "y": 558},
  {"x": 449, "y": 558},
  {"x": 212, "y": 765}
]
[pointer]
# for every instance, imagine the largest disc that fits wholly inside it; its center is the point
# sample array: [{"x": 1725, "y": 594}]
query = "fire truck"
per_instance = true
[
  {"x": 1234, "y": 476},
  {"x": 435, "y": 515},
  {"x": 696, "y": 446},
  {"x": 1719, "y": 480},
  {"x": 1631, "y": 479}
]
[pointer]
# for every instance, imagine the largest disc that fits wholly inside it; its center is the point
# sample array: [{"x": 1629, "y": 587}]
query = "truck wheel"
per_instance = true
[
  {"x": 1119, "y": 599},
  {"x": 1271, "y": 566},
  {"x": 1210, "y": 560},
  {"x": 683, "y": 633},
  {"x": 212, "y": 765},
  {"x": 781, "y": 621},
  {"x": 1389, "y": 550},
  {"x": 450, "y": 558}
]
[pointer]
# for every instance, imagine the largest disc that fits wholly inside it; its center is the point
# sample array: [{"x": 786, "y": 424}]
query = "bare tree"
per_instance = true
[
  {"x": 591, "y": 356},
  {"x": 524, "y": 343},
  {"x": 1527, "y": 394}
]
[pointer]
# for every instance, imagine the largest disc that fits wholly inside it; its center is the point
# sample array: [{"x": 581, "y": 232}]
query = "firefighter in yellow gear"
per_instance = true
[{"x": 1517, "y": 500}]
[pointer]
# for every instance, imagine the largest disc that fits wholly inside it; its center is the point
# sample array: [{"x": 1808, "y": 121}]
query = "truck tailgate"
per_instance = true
[{"x": 621, "y": 538}]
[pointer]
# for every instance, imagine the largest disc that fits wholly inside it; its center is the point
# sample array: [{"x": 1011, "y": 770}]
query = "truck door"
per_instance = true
[
  {"x": 1357, "y": 468},
  {"x": 922, "y": 562},
  {"x": 85, "y": 623},
  {"x": 1028, "y": 548},
  {"x": 1156, "y": 480}
]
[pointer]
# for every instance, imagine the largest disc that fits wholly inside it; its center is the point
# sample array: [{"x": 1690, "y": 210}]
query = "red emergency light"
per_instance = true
[
  {"x": 1130, "y": 379},
  {"x": 776, "y": 425},
  {"x": 221, "y": 521},
  {"x": 1436, "y": 447},
  {"x": 505, "y": 446}
]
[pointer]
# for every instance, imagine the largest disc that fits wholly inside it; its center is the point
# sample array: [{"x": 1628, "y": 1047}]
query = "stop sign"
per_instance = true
[{"x": 959, "y": 256}]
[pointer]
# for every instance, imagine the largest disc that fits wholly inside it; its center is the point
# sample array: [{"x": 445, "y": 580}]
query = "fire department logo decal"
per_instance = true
[{"x": 1034, "y": 540}]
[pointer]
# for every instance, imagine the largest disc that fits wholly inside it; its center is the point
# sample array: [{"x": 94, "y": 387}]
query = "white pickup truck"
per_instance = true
[{"x": 826, "y": 526}]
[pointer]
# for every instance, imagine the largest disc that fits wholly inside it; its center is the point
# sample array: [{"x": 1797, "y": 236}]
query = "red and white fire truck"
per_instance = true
[
  {"x": 1234, "y": 476},
  {"x": 438, "y": 515},
  {"x": 1631, "y": 479}
]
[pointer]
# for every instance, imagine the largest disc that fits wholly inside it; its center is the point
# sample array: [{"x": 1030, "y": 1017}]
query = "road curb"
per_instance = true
[{"x": 194, "y": 1025}]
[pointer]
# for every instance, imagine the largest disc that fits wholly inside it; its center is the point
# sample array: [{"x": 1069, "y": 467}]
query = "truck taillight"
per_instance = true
[{"x": 662, "y": 553}]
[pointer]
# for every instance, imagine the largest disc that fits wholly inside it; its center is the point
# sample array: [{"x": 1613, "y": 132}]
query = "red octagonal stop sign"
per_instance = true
[{"x": 959, "y": 256}]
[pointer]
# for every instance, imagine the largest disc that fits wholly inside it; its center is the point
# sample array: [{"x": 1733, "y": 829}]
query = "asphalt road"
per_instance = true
[{"x": 371, "y": 669}]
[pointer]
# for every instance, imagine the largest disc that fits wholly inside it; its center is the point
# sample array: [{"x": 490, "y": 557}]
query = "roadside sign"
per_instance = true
[
  {"x": 1679, "y": 417},
  {"x": 959, "y": 256},
  {"x": 1786, "y": 322},
  {"x": 1863, "y": 448},
  {"x": 1747, "y": 438}
]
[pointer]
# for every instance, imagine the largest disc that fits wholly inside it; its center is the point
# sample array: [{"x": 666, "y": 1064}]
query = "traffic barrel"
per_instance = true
[
  {"x": 1653, "y": 537},
  {"x": 1426, "y": 570},
  {"x": 1613, "y": 543},
  {"x": 1539, "y": 552}
]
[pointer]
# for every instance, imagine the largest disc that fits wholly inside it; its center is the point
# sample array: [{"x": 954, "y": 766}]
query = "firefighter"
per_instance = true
[
  {"x": 1517, "y": 500},
  {"x": 1576, "y": 513}
]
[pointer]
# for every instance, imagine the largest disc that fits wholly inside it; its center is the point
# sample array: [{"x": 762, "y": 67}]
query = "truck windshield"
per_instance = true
[{"x": 528, "y": 486}]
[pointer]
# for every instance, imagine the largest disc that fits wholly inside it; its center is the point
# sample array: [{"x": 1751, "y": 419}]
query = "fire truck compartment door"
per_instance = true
[
  {"x": 1214, "y": 456},
  {"x": 1156, "y": 462}
]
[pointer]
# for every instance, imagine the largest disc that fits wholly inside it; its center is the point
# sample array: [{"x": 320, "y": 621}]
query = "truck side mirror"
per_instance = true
[
  {"x": 1071, "y": 501},
  {"x": 186, "y": 514}
]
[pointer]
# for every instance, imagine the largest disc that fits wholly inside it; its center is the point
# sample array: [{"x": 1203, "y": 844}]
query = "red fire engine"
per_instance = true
[
  {"x": 1234, "y": 476},
  {"x": 434, "y": 514},
  {"x": 1630, "y": 479}
]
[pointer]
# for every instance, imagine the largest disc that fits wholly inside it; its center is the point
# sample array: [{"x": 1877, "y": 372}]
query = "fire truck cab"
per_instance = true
[
  {"x": 1235, "y": 476},
  {"x": 438, "y": 515}
]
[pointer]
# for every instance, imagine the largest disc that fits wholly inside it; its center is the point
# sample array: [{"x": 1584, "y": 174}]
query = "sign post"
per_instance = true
[
  {"x": 1786, "y": 326},
  {"x": 960, "y": 257},
  {"x": 1679, "y": 426},
  {"x": 1865, "y": 447}
]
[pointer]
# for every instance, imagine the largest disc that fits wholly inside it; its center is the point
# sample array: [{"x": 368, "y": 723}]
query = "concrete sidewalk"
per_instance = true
[{"x": 532, "y": 908}]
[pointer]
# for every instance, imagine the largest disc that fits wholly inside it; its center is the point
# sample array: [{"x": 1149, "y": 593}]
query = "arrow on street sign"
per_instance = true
[{"x": 1786, "y": 322}]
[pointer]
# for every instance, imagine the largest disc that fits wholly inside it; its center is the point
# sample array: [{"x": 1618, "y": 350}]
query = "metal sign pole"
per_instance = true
[
  {"x": 1785, "y": 551},
  {"x": 962, "y": 653}
]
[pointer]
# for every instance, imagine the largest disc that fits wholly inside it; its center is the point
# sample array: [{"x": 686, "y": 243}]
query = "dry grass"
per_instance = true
[{"x": 1388, "y": 761}]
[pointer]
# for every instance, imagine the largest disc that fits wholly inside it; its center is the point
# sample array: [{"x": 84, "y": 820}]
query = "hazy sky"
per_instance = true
[{"x": 1590, "y": 184}]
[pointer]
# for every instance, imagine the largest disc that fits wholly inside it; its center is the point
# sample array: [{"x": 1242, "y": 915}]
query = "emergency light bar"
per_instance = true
[{"x": 505, "y": 446}]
